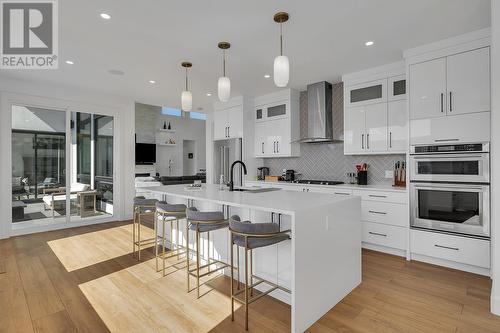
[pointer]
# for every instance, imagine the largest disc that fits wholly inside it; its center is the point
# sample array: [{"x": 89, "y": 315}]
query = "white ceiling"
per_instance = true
[{"x": 148, "y": 39}]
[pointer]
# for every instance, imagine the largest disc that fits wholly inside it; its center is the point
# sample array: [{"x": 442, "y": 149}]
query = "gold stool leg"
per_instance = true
[
  {"x": 155, "y": 223},
  {"x": 163, "y": 244},
  {"x": 139, "y": 237},
  {"x": 208, "y": 250},
  {"x": 198, "y": 257},
  {"x": 246, "y": 288},
  {"x": 177, "y": 239},
  {"x": 187, "y": 253},
  {"x": 232, "y": 278},
  {"x": 133, "y": 233},
  {"x": 251, "y": 272},
  {"x": 238, "y": 267}
]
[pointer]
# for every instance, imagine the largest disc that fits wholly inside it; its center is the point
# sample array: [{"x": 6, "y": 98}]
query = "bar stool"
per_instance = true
[
  {"x": 251, "y": 236},
  {"x": 142, "y": 207},
  {"x": 202, "y": 222},
  {"x": 169, "y": 213}
]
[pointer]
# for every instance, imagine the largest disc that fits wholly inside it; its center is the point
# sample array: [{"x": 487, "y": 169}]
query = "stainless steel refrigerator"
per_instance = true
[{"x": 227, "y": 152}]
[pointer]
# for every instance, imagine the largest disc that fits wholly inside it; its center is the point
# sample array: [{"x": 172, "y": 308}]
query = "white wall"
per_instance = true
[
  {"x": 495, "y": 156},
  {"x": 149, "y": 119},
  {"x": 75, "y": 99}
]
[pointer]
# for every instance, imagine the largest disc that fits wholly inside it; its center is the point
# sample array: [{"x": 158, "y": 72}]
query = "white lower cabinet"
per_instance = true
[
  {"x": 383, "y": 212},
  {"x": 384, "y": 235},
  {"x": 469, "y": 251}
]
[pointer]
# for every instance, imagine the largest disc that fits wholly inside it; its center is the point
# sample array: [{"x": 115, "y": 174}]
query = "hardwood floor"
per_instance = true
[{"x": 85, "y": 280}]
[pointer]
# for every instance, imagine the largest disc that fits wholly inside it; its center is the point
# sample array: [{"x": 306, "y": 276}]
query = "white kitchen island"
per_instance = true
[{"x": 321, "y": 263}]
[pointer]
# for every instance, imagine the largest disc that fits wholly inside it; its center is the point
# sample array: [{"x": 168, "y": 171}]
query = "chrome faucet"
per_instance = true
[{"x": 231, "y": 183}]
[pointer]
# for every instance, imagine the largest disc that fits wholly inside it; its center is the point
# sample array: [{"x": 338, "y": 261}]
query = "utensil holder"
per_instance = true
[{"x": 362, "y": 177}]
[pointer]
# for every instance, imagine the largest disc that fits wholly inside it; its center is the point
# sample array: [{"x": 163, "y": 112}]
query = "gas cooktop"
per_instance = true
[{"x": 317, "y": 182}]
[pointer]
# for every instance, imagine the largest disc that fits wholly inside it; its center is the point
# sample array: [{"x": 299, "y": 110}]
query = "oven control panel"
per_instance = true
[{"x": 469, "y": 147}]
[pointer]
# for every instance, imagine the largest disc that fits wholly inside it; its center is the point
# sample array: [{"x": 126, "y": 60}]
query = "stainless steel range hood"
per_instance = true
[{"x": 319, "y": 115}]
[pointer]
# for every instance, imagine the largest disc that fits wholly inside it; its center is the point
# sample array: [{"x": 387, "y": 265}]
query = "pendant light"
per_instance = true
[
  {"x": 224, "y": 84},
  {"x": 281, "y": 63},
  {"x": 186, "y": 97}
]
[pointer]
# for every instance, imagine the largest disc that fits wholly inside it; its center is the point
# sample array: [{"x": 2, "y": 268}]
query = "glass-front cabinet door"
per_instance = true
[{"x": 367, "y": 93}]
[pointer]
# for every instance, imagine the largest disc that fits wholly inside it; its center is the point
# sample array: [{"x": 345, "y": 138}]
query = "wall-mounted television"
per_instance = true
[{"x": 145, "y": 153}]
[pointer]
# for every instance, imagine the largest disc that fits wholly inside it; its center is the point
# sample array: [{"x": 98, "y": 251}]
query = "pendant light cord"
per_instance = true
[
  {"x": 224, "y": 63},
  {"x": 186, "y": 79},
  {"x": 281, "y": 39}
]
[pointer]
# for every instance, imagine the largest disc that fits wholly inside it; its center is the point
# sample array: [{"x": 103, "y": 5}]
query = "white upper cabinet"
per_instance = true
[
  {"x": 354, "y": 130},
  {"x": 367, "y": 93},
  {"x": 375, "y": 111},
  {"x": 451, "y": 85},
  {"x": 397, "y": 119},
  {"x": 277, "y": 124},
  {"x": 468, "y": 82},
  {"x": 228, "y": 123},
  {"x": 376, "y": 127},
  {"x": 428, "y": 89}
]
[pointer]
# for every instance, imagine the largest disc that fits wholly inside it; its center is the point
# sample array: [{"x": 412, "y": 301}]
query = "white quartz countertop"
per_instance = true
[
  {"x": 280, "y": 201},
  {"x": 373, "y": 187}
]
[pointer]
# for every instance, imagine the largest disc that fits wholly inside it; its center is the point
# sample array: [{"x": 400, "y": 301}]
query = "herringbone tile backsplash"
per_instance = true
[{"x": 327, "y": 161}]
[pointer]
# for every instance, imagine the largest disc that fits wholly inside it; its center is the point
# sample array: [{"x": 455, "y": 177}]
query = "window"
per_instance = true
[
  {"x": 171, "y": 112},
  {"x": 197, "y": 115}
]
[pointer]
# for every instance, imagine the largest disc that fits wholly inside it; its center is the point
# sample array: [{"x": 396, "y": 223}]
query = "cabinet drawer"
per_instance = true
[
  {"x": 395, "y": 197},
  {"x": 464, "y": 250},
  {"x": 384, "y": 212},
  {"x": 385, "y": 235}
]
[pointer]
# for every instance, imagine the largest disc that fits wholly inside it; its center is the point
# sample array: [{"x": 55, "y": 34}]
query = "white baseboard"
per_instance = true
[
  {"x": 385, "y": 249},
  {"x": 451, "y": 264}
]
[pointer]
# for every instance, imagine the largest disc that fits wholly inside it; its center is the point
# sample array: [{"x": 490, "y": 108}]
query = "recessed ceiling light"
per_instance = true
[
  {"x": 369, "y": 43},
  {"x": 152, "y": 81},
  {"x": 105, "y": 16},
  {"x": 267, "y": 76},
  {"x": 209, "y": 94},
  {"x": 69, "y": 62},
  {"x": 116, "y": 72}
]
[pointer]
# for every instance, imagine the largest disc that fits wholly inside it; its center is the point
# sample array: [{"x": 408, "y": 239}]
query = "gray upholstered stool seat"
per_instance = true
[
  {"x": 167, "y": 213},
  {"x": 203, "y": 222},
  {"x": 251, "y": 236},
  {"x": 142, "y": 206},
  {"x": 164, "y": 207},
  {"x": 263, "y": 229},
  {"x": 205, "y": 219}
]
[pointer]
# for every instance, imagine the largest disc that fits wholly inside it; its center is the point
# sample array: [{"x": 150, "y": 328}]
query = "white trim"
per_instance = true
[
  {"x": 384, "y": 249},
  {"x": 375, "y": 73},
  {"x": 462, "y": 43},
  {"x": 451, "y": 264},
  {"x": 73, "y": 100}
]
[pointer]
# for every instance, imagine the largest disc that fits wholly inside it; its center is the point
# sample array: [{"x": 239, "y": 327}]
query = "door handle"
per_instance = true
[
  {"x": 367, "y": 141},
  {"x": 375, "y": 212},
  {"x": 451, "y": 109},
  {"x": 377, "y": 234},
  {"x": 262, "y": 147},
  {"x": 442, "y": 102},
  {"x": 228, "y": 131},
  {"x": 447, "y": 247},
  {"x": 444, "y": 140},
  {"x": 274, "y": 147},
  {"x": 377, "y": 196},
  {"x": 341, "y": 193},
  {"x": 362, "y": 141},
  {"x": 277, "y": 146},
  {"x": 390, "y": 139}
]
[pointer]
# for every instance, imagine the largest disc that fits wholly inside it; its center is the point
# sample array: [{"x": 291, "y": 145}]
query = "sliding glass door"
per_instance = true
[{"x": 52, "y": 149}]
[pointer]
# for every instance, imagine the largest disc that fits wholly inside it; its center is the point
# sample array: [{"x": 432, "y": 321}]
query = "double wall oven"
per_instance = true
[{"x": 450, "y": 188}]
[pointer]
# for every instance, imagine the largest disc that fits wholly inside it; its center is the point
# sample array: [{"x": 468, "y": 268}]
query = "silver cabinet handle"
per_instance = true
[
  {"x": 377, "y": 234},
  {"x": 342, "y": 193},
  {"x": 377, "y": 196},
  {"x": 228, "y": 135},
  {"x": 442, "y": 102},
  {"x": 262, "y": 147},
  {"x": 274, "y": 147},
  {"x": 277, "y": 146},
  {"x": 445, "y": 140},
  {"x": 451, "y": 109},
  {"x": 375, "y": 212},
  {"x": 390, "y": 139},
  {"x": 367, "y": 141},
  {"x": 362, "y": 141},
  {"x": 447, "y": 247}
]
